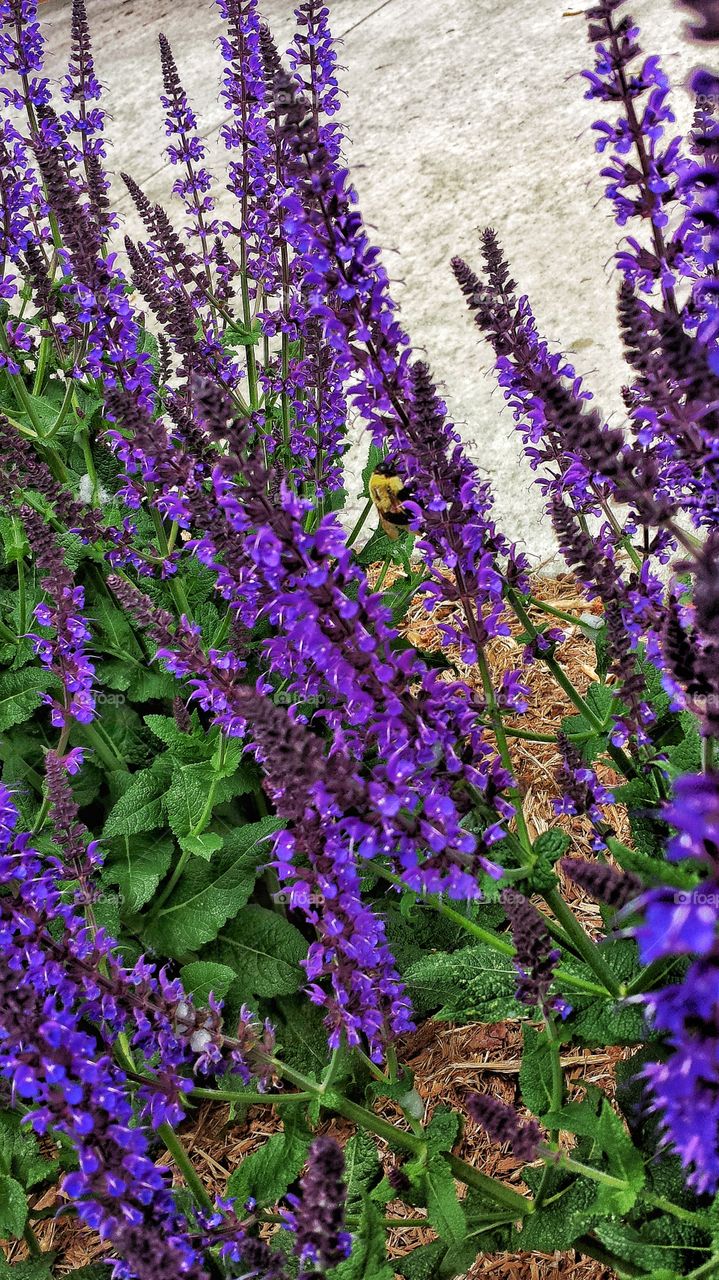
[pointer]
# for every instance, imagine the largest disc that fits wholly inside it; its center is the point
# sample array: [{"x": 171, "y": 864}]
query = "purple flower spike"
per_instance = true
[
  {"x": 317, "y": 1215},
  {"x": 502, "y": 1124}
]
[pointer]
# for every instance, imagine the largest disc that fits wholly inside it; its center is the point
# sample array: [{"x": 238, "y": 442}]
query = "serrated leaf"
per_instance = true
[
  {"x": 187, "y": 796},
  {"x": 474, "y": 983},
  {"x": 368, "y": 1259},
  {"x": 443, "y": 1129},
  {"x": 566, "y": 1214},
  {"x": 443, "y": 1207},
  {"x": 265, "y": 951},
  {"x": 266, "y": 1174},
  {"x": 535, "y": 1074},
  {"x": 186, "y": 747},
  {"x": 363, "y": 1169},
  {"x": 21, "y": 694},
  {"x": 139, "y": 808},
  {"x": 423, "y": 1263},
  {"x": 20, "y": 1153},
  {"x": 13, "y": 1207},
  {"x": 610, "y": 1140},
  {"x": 29, "y": 1269},
  {"x": 206, "y": 895},
  {"x": 202, "y": 846},
  {"x": 136, "y": 864},
  {"x": 204, "y": 976}
]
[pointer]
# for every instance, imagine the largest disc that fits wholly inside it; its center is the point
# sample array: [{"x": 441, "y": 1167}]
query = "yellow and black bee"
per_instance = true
[{"x": 388, "y": 492}]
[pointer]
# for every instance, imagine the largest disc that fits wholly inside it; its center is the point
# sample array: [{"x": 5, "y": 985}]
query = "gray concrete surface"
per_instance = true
[{"x": 459, "y": 115}]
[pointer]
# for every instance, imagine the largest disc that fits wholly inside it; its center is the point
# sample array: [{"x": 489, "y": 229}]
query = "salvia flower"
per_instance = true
[
  {"x": 317, "y": 1213},
  {"x": 502, "y": 1124},
  {"x": 22, "y": 53},
  {"x": 62, "y": 1070},
  {"x": 65, "y": 652},
  {"x": 684, "y": 923},
  {"x": 602, "y": 882},
  {"x": 536, "y": 957}
]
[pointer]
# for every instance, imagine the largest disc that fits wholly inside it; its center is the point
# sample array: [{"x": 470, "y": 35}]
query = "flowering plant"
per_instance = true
[{"x": 232, "y": 786}]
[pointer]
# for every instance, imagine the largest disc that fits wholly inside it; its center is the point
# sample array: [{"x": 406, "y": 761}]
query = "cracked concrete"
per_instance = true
[{"x": 458, "y": 115}]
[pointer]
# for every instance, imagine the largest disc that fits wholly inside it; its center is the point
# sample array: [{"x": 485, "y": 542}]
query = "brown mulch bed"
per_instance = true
[{"x": 448, "y": 1061}]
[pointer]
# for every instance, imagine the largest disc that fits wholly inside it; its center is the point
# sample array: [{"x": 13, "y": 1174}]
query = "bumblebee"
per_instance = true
[{"x": 388, "y": 492}]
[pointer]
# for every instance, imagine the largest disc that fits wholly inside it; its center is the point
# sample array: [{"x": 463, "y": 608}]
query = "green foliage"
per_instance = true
[
  {"x": 535, "y": 1075},
  {"x": 264, "y": 950},
  {"x": 266, "y": 1174},
  {"x": 473, "y": 984}
]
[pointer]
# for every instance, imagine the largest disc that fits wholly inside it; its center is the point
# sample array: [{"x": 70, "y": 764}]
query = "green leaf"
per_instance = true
[
  {"x": 20, "y": 694},
  {"x": 612, "y": 1149},
  {"x": 266, "y": 1174},
  {"x": 186, "y": 747},
  {"x": 136, "y": 864},
  {"x": 660, "y": 1243},
  {"x": 567, "y": 1213},
  {"x": 552, "y": 845},
  {"x": 30, "y": 1269},
  {"x": 265, "y": 951},
  {"x": 206, "y": 895},
  {"x": 443, "y": 1207},
  {"x": 140, "y": 808},
  {"x": 535, "y": 1075},
  {"x": 20, "y": 1153},
  {"x": 443, "y": 1130},
  {"x": 363, "y": 1169},
  {"x": 368, "y": 1259},
  {"x": 475, "y": 983},
  {"x": 202, "y": 977},
  {"x": 187, "y": 796},
  {"x": 202, "y": 846},
  {"x": 13, "y": 1207},
  {"x": 423, "y": 1263}
]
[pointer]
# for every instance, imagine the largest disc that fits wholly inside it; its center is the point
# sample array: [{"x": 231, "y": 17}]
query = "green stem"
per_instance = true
[
  {"x": 471, "y": 1177},
  {"x": 197, "y": 830},
  {"x": 556, "y": 1101},
  {"x": 32, "y": 1241},
  {"x": 493, "y": 940},
  {"x": 250, "y": 356},
  {"x": 593, "y": 1249},
  {"x": 587, "y": 949},
  {"x": 103, "y": 746},
  {"x": 251, "y": 1099},
  {"x": 551, "y": 610},
  {"x": 42, "y": 359},
  {"x": 652, "y": 975},
  {"x": 498, "y": 727},
  {"x": 382, "y": 575},
  {"x": 21, "y": 596},
  {"x": 622, "y": 761},
  {"x": 411, "y": 1142},
  {"x": 360, "y": 523},
  {"x": 61, "y": 413},
  {"x": 176, "y": 1149}
]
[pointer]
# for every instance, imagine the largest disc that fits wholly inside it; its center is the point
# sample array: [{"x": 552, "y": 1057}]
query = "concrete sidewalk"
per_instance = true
[{"x": 459, "y": 114}]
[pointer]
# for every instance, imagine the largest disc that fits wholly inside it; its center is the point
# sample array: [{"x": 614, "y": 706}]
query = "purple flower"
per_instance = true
[
  {"x": 615, "y": 888},
  {"x": 65, "y": 653},
  {"x": 502, "y": 1124},
  {"x": 22, "y": 53},
  {"x": 684, "y": 923},
  {"x": 188, "y": 150},
  {"x": 317, "y": 1216},
  {"x": 536, "y": 957}
]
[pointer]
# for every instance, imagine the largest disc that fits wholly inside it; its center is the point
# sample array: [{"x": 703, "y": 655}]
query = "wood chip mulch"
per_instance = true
[{"x": 448, "y": 1061}]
